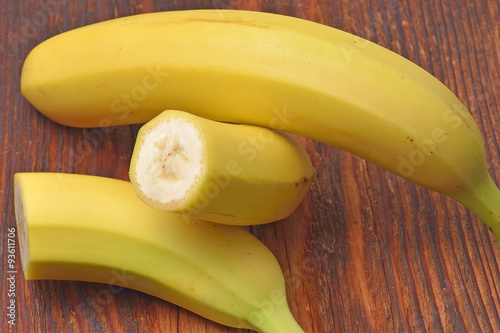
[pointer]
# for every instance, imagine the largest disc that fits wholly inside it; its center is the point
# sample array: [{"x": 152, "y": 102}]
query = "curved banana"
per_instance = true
[
  {"x": 88, "y": 228},
  {"x": 273, "y": 71},
  {"x": 218, "y": 172}
]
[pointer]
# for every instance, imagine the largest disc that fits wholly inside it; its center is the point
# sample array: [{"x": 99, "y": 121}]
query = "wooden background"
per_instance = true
[{"x": 366, "y": 251}]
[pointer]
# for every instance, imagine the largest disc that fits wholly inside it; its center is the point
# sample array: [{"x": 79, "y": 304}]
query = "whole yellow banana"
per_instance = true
[
  {"x": 274, "y": 71},
  {"x": 88, "y": 228},
  {"x": 225, "y": 173}
]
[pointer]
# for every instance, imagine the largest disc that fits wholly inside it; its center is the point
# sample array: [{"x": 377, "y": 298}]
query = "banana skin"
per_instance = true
[
  {"x": 274, "y": 71},
  {"x": 89, "y": 228}
]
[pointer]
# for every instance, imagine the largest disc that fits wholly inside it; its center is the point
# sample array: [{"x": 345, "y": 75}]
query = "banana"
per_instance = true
[
  {"x": 274, "y": 71},
  {"x": 90, "y": 228},
  {"x": 218, "y": 172}
]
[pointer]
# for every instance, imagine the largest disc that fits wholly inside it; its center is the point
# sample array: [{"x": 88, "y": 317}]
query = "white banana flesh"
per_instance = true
[
  {"x": 273, "y": 71},
  {"x": 170, "y": 161},
  {"x": 224, "y": 173},
  {"x": 88, "y": 228}
]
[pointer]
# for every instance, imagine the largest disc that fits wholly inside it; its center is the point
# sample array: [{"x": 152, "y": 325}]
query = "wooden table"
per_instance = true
[{"x": 365, "y": 252}]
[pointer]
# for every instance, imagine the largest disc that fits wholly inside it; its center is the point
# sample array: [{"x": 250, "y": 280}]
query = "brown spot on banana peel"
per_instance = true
[
  {"x": 225, "y": 21},
  {"x": 305, "y": 180}
]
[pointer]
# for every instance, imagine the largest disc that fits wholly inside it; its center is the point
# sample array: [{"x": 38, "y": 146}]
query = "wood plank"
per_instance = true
[{"x": 365, "y": 252}]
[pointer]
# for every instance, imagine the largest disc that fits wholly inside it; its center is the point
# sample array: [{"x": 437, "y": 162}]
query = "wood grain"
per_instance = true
[{"x": 365, "y": 252}]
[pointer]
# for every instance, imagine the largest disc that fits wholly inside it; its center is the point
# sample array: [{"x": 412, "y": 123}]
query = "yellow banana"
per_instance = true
[
  {"x": 273, "y": 71},
  {"x": 224, "y": 173},
  {"x": 89, "y": 228}
]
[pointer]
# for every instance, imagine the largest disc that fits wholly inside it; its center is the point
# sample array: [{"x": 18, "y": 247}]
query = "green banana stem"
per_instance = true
[
  {"x": 484, "y": 201},
  {"x": 277, "y": 319}
]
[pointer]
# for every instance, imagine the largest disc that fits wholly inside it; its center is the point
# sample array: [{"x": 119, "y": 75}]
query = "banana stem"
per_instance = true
[
  {"x": 484, "y": 201},
  {"x": 277, "y": 319}
]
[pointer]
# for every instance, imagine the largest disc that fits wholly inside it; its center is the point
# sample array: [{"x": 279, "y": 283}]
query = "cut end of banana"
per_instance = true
[
  {"x": 168, "y": 160},
  {"x": 22, "y": 229}
]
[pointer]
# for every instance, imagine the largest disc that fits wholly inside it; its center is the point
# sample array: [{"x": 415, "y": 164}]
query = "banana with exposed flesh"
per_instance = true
[{"x": 224, "y": 173}]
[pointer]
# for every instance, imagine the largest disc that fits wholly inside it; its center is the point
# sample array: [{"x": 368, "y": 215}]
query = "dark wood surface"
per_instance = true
[{"x": 365, "y": 252}]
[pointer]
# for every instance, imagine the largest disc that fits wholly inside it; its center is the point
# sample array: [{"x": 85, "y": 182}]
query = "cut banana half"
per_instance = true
[
  {"x": 219, "y": 172},
  {"x": 89, "y": 228}
]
